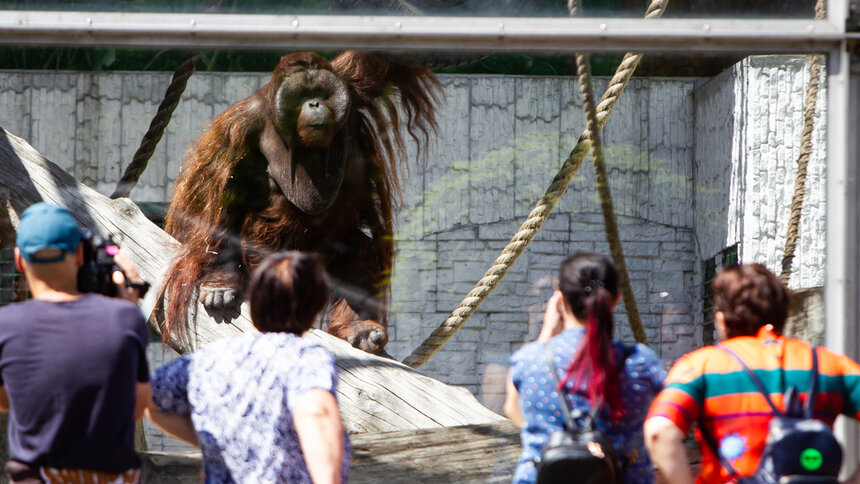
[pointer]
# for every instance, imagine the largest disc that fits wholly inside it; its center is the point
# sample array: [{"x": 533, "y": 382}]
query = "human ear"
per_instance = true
[
  {"x": 563, "y": 307},
  {"x": 19, "y": 261},
  {"x": 720, "y": 324},
  {"x": 79, "y": 256}
]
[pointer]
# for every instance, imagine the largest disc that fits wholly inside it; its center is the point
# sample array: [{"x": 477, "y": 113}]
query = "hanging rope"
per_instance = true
[
  {"x": 162, "y": 118},
  {"x": 583, "y": 71},
  {"x": 538, "y": 215},
  {"x": 157, "y": 126},
  {"x": 792, "y": 234}
]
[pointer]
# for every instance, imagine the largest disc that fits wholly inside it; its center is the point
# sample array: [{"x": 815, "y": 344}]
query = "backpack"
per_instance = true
[
  {"x": 580, "y": 453},
  {"x": 798, "y": 448}
]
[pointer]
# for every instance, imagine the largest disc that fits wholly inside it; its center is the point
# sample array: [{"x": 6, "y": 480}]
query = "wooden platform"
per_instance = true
[{"x": 468, "y": 454}]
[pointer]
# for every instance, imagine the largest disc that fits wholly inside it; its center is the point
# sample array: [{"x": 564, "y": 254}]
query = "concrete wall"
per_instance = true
[
  {"x": 91, "y": 123},
  {"x": 748, "y": 126},
  {"x": 694, "y": 165}
]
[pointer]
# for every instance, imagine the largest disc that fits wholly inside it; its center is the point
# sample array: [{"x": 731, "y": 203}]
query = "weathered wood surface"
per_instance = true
[
  {"x": 376, "y": 394},
  {"x": 171, "y": 468},
  {"x": 475, "y": 453}
]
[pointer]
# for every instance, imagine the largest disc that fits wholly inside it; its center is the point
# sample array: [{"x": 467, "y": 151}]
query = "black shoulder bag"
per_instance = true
[
  {"x": 798, "y": 449},
  {"x": 580, "y": 453}
]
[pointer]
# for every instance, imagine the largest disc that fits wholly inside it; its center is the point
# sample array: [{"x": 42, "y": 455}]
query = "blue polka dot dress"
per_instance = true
[{"x": 641, "y": 380}]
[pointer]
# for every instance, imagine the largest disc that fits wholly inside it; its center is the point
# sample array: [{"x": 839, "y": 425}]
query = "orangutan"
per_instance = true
[{"x": 309, "y": 162}]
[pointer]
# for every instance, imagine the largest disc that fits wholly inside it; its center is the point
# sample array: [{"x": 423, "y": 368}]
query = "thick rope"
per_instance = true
[
  {"x": 162, "y": 118},
  {"x": 538, "y": 215},
  {"x": 793, "y": 231},
  {"x": 613, "y": 238},
  {"x": 157, "y": 126}
]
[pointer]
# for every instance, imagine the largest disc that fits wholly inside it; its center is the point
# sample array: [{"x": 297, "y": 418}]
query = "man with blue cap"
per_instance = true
[{"x": 73, "y": 371}]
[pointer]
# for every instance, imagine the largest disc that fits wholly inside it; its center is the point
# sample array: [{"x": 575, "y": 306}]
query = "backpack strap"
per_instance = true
[
  {"x": 568, "y": 420},
  {"x": 709, "y": 438},
  {"x": 809, "y": 407},
  {"x": 807, "y": 410},
  {"x": 758, "y": 384},
  {"x": 711, "y": 441}
]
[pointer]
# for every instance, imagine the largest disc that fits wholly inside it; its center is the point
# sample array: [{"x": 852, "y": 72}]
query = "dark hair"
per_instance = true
[
  {"x": 287, "y": 291},
  {"x": 750, "y": 296},
  {"x": 589, "y": 284}
]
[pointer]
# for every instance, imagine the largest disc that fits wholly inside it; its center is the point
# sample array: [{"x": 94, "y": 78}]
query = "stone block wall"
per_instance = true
[
  {"x": 747, "y": 140},
  {"x": 91, "y": 123},
  {"x": 660, "y": 259},
  {"x": 748, "y": 125},
  {"x": 502, "y": 140}
]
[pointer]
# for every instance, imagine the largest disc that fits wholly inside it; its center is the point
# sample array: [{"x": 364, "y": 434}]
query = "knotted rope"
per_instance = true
[
  {"x": 162, "y": 118},
  {"x": 539, "y": 213},
  {"x": 583, "y": 71},
  {"x": 157, "y": 126},
  {"x": 793, "y": 231}
]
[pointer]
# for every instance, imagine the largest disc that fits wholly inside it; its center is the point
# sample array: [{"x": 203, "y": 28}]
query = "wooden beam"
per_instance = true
[
  {"x": 475, "y": 453},
  {"x": 375, "y": 394},
  {"x": 485, "y": 453}
]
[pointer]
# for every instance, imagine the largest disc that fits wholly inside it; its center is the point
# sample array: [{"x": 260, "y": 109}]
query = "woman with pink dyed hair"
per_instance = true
[{"x": 594, "y": 371}]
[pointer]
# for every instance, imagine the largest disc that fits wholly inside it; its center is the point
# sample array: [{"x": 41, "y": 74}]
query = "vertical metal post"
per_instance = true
[{"x": 842, "y": 299}]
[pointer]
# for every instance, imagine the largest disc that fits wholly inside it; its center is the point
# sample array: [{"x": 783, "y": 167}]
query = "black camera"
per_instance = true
[{"x": 96, "y": 275}]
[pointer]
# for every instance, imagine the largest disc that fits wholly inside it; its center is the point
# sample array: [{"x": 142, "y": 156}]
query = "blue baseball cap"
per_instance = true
[{"x": 47, "y": 226}]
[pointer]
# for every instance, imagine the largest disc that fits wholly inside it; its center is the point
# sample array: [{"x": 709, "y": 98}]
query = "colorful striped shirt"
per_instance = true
[{"x": 709, "y": 386}]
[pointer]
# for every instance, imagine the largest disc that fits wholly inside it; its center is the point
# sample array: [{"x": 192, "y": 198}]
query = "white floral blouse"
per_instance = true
[{"x": 240, "y": 394}]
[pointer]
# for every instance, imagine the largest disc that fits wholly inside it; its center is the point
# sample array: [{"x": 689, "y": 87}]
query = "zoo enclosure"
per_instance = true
[{"x": 835, "y": 36}]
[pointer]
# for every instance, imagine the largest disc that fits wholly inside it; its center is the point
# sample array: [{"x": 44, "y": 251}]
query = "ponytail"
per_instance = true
[{"x": 589, "y": 284}]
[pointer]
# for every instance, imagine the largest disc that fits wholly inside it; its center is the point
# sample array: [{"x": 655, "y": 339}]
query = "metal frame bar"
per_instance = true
[
  {"x": 842, "y": 274},
  {"x": 484, "y": 34},
  {"x": 842, "y": 271}
]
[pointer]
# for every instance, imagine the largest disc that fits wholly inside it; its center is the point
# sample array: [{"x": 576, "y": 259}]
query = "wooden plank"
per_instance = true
[
  {"x": 473, "y": 453},
  {"x": 171, "y": 467},
  {"x": 376, "y": 394}
]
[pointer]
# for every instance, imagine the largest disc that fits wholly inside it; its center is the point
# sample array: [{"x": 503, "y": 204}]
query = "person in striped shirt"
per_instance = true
[{"x": 709, "y": 387}]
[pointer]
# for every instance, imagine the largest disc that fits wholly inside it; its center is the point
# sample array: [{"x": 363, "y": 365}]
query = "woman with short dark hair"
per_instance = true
[
  {"x": 287, "y": 292},
  {"x": 262, "y": 406},
  {"x": 710, "y": 387},
  {"x": 595, "y": 371}
]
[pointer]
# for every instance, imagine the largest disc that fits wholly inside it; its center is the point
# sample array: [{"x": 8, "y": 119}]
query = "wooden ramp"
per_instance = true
[
  {"x": 375, "y": 394},
  {"x": 486, "y": 453}
]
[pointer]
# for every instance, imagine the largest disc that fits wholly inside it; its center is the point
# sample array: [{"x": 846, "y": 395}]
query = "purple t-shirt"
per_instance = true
[{"x": 71, "y": 371}]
